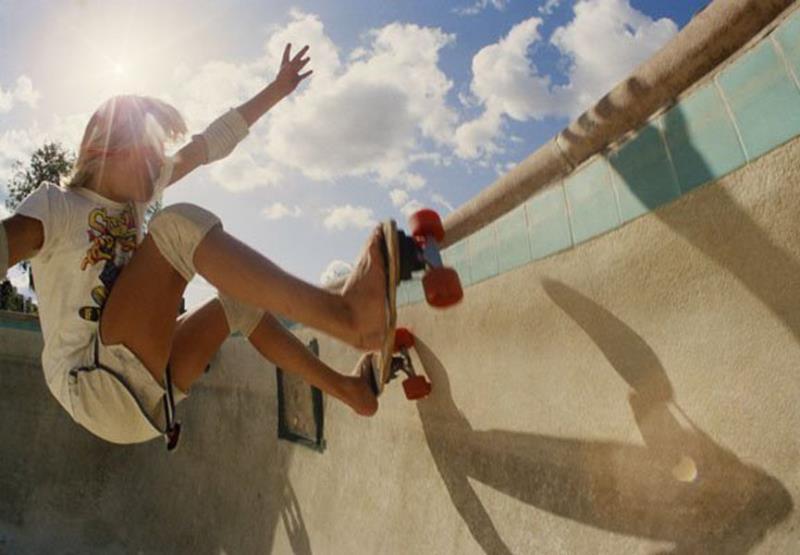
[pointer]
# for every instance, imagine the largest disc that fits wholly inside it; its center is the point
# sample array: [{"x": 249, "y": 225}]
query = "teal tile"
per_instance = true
[
  {"x": 483, "y": 254},
  {"x": 457, "y": 257},
  {"x": 788, "y": 36},
  {"x": 548, "y": 222},
  {"x": 513, "y": 248},
  {"x": 643, "y": 174},
  {"x": 21, "y": 325},
  {"x": 765, "y": 101},
  {"x": 591, "y": 200},
  {"x": 702, "y": 139}
]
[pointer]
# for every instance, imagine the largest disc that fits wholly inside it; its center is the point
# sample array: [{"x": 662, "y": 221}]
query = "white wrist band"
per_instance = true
[
  {"x": 3, "y": 251},
  {"x": 223, "y": 134}
]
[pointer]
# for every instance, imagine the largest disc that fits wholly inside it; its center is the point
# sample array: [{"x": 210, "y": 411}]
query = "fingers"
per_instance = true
[
  {"x": 286, "y": 52},
  {"x": 300, "y": 54},
  {"x": 304, "y": 75}
]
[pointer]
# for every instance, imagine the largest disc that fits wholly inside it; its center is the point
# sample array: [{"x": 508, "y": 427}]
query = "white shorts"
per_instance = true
[{"x": 117, "y": 398}]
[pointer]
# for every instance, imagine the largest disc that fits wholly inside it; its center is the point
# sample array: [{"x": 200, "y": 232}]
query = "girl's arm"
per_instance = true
[
  {"x": 195, "y": 153},
  {"x": 25, "y": 237}
]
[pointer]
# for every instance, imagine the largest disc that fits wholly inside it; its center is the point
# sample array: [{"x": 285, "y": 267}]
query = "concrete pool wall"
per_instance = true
[{"x": 621, "y": 376}]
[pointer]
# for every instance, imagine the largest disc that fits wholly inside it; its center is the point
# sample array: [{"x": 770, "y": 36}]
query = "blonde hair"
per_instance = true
[{"x": 121, "y": 122}]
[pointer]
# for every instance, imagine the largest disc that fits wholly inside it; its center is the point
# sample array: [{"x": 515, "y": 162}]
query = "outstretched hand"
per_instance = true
[{"x": 289, "y": 75}]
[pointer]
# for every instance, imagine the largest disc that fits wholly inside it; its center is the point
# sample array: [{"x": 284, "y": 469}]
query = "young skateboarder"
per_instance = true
[{"x": 115, "y": 355}]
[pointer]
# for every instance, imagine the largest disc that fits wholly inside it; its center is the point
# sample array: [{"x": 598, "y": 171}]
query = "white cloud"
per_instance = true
[
  {"x": 439, "y": 199},
  {"x": 481, "y": 5},
  {"x": 22, "y": 92},
  {"x": 336, "y": 270},
  {"x": 399, "y": 197},
  {"x": 347, "y": 216},
  {"x": 246, "y": 168},
  {"x": 366, "y": 118},
  {"x": 409, "y": 180},
  {"x": 507, "y": 84},
  {"x": 19, "y": 144},
  {"x": 549, "y": 7},
  {"x": 411, "y": 206},
  {"x": 278, "y": 211},
  {"x": 15, "y": 144},
  {"x": 604, "y": 42},
  {"x": 356, "y": 115},
  {"x": 476, "y": 138}
]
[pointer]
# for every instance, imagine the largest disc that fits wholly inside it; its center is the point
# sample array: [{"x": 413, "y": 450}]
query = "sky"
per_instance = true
[{"x": 412, "y": 103}]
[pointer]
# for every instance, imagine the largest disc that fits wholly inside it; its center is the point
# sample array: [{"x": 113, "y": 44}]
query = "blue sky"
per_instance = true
[{"x": 412, "y": 103}]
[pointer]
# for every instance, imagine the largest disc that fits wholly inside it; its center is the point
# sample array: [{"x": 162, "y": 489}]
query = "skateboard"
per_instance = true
[{"x": 404, "y": 255}]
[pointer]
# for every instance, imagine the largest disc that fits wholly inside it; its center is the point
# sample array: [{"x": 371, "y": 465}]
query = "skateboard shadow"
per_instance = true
[{"x": 681, "y": 487}]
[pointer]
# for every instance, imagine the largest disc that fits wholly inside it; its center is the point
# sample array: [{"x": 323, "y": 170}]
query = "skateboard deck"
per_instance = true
[
  {"x": 404, "y": 255},
  {"x": 392, "y": 266}
]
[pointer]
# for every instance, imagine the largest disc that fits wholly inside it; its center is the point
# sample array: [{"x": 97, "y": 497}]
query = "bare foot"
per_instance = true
[
  {"x": 359, "y": 393},
  {"x": 365, "y": 294}
]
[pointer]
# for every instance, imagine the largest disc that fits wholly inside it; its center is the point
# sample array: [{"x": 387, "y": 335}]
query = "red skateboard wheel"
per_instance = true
[
  {"x": 416, "y": 387},
  {"x": 403, "y": 339},
  {"x": 442, "y": 287},
  {"x": 426, "y": 222}
]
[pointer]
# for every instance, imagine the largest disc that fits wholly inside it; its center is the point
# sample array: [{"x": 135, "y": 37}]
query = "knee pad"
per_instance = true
[
  {"x": 177, "y": 230},
  {"x": 241, "y": 317}
]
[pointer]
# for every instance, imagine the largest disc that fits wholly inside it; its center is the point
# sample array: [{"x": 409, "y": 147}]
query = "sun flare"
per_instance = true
[{"x": 106, "y": 49}]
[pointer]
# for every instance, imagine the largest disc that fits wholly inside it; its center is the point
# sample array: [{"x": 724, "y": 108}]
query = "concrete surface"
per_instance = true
[{"x": 637, "y": 394}]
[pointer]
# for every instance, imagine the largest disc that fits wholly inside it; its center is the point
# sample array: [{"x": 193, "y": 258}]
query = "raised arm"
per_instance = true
[
  {"x": 20, "y": 237},
  {"x": 199, "y": 151}
]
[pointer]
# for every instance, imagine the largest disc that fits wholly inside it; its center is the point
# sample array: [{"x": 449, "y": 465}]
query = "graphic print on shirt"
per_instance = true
[{"x": 112, "y": 242}]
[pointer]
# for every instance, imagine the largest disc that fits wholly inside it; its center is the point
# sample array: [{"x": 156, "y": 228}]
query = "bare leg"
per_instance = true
[
  {"x": 201, "y": 332},
  {"x": 281, "y": 347},
  {"x": 356, "y": 316},
  {"x": 142, "y": 306}
]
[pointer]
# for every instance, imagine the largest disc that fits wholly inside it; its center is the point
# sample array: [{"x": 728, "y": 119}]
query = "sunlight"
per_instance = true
[{"x": 105, "y": 49}]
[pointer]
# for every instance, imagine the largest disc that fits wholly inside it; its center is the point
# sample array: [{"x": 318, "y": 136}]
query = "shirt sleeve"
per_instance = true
[{"x": 48, "y": 205}]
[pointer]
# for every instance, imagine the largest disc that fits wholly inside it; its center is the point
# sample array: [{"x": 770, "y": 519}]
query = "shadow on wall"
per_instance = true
[
  {"x": 225, "y": 490},
  {"x": 738, "y": 244},
  {"x": 681, "y": 487}
]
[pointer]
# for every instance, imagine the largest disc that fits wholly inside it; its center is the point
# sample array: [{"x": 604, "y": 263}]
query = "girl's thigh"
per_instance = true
[{"x": 142, "y": 308}]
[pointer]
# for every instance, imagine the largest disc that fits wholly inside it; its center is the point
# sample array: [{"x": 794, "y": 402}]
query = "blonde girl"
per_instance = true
[{"x": 116, "y": 356}]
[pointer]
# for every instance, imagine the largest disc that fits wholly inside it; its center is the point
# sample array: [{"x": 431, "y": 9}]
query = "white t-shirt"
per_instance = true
[{"x": 88, "y": 238}]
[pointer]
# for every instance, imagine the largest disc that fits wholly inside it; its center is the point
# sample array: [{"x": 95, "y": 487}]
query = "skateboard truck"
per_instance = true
[
  {"x": 421, "y": 251},
  {"x": 415, "y": 385}
]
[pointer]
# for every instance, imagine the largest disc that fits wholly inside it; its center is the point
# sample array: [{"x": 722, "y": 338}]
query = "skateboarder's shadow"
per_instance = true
[
  {"x": 681, "y": 487},
  {"x": 293, "y": 522}
]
